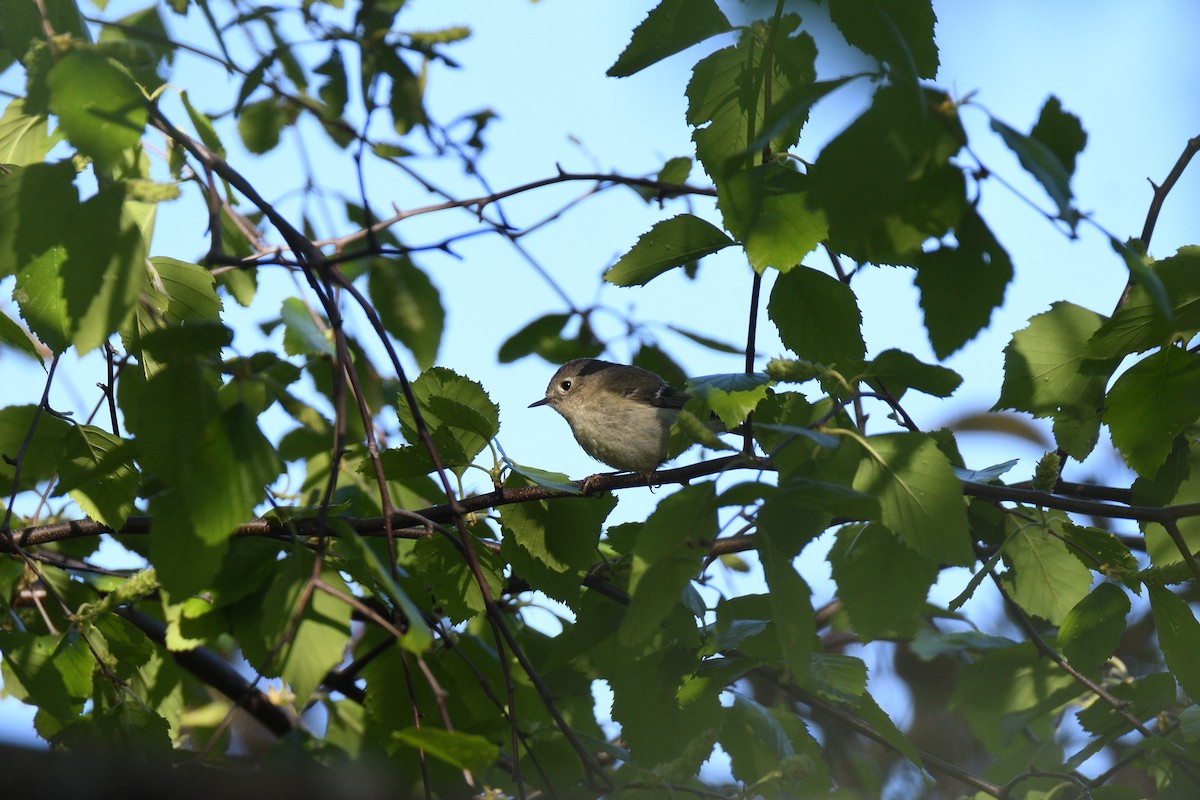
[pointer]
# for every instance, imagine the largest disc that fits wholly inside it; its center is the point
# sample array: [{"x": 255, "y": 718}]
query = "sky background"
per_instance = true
[{"x": 1129, "y": 71}]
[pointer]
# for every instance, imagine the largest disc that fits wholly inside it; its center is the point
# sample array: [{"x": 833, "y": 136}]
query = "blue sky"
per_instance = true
[{"x": 1128, "y": 70}]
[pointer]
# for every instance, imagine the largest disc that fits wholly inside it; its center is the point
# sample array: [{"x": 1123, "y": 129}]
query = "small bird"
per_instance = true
[{"x": 620, "y": 415}]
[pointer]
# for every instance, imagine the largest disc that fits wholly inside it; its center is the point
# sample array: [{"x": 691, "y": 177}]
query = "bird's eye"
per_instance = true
[{"x": 565, "y": 386}]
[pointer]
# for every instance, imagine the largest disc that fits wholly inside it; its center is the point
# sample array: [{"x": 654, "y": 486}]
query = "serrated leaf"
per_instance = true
[
  {"x": 731, "y": 396},
  {"x": 882, "y": 582},
  {"x": 725, "y": 93},
  {"x": 817, "y": 317},
  {"x": 920, "y": 499},
  {"x": 96, "y": 469},
  {"x": 1140, "y": 324},
  {"x": 1061, "y": 132},
  {"x": 98, "y": 105},
  {"x": 899, "y": 32},
  {"x": 887, "y": 183},
  {"x": 552, "y": 543},
  {"x": 896, "y": 371},
  {"x": 962, "y": 285},
  {"x": 671, "y": 26},
  {"x": 457, "y": 411},
  {"x": 39, "y": 295},
  {"x": 1047, "y": 374},
  {"x": 668, "y": 244},
  {"x": 1151, "y": 403},
  {"x": 1048, "y": 581},
  {"x": 768, "y": 210}
]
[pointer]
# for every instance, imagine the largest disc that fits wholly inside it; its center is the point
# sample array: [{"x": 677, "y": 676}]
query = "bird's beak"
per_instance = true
[{"x": 537, "y": 403}]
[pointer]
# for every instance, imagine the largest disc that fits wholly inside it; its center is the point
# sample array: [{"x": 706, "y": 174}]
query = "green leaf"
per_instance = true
[
  {"x": 24, "y": 139},
  {"x": 1043, "y": 164},
  {"x": 450, "y": 582},
  {"x": 460, "y": 416},
  {"x": 1152, "y": 403},
  {"x": 39, "y": 458},
  {"x": 664, "y": 559},
  {"x": 962, "y": 285},
  {"x": 417, "y": 637},
  {"x": 552, "y": 543},
  {"x": 555, "y": 481},
  {"x": 334, "y": 91},
  {"x": 204, "y": 127},
  {"x": 818, "y": 318},
  {"x": 899, "y": 32},
  {"x": 12, "y": 335},
  {"x": 653, "y": 358},
  {"x": 768, "y": 210},
  {"x": 771, "y": 746},
  {"x": 707, "y": 341},
  {"x": 790, "y": 111},
  {"x": 54, "y": 671},
  {"x": 409, "y": 306},
  {"x": 301, "y": 333},
  {"x": 781, "y": 534},
  {"x": 1176, "y": 482},
  {"x": 725, "y": 93},
  {"x": 1047, "y": 581},
  {"x": 668, "y": 244},
  {"x": 887, "y": 183},
  {"x": 675, "y": 170},
  {"x": 35, "y": 204},
  {"x": 1091, "y": 631},
  {"x": 260, "y": 124},
  {"x": 318, "y": 637},
  {"x": 542, "y": 336},
  {"x": 1103, "y": 552},
  {"x": 1140, "y": 273},
  {"x": 1061, "y": 132},
  {"x": 1178, "y": 636},
  {"x": 1047, "y": 374},
  {"x": 98, "y": 105},
  {"x": 1008, "y": 688},
  {"x": 465, "y": 751},
  {"x": 731, "y": 396},
  {"x": 881, "y": 581},
  {"x": 97, "y": 470},
  {"x": 104, "y": 268},
  {"x": 920, "y": 499},
  {"x": 671, "y": 26},
  {"x": 895, "y": 372},
  {"x": 1141, "y": 324}
]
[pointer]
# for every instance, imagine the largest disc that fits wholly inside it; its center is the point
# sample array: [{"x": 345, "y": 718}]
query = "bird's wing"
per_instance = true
[{"x": 662, "y": 396}]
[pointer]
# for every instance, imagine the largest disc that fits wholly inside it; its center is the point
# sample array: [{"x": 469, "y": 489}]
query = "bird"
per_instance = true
[{"x": 621, "y": 415}]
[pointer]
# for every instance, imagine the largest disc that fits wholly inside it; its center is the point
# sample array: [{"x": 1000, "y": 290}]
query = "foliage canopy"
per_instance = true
[{"x": 339, "y": 553}]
